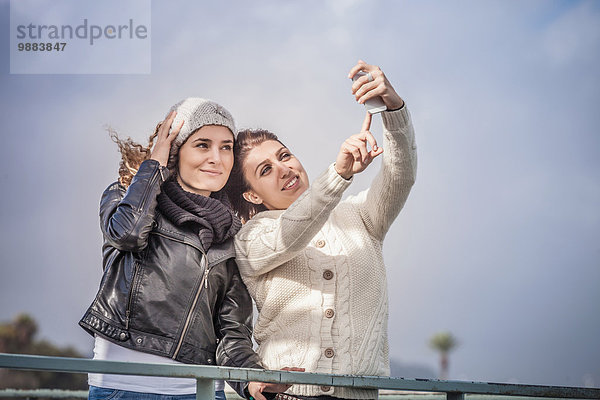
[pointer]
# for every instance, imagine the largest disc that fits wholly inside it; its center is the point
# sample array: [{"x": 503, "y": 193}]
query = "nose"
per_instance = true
[
  {"x": 214, "y": 156},
  {"x": 283, "y": 170}
]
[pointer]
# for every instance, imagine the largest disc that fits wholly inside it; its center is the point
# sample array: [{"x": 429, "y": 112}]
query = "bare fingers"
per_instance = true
[
  {"x": 166, "y": 131},
  {"x": 374, "y": 77},
  {"x": 358, "y": 67},
  {"x": 165, "y": 126},
  {"x": 366, "y": 125},
  {"x": 375, "y": 84},
  {"x": 356, "y": 145},
  {"x": 358, "y": 148},
  {"x": 174, "y": 132}
]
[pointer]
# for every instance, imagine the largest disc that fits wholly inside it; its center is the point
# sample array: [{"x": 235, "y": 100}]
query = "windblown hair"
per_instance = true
[
  {"x": 237, "y": 184},
  {"x": 132, "y": 154}
]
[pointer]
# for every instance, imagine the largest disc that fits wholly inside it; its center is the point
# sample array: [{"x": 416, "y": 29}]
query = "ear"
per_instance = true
[{"x": 252, "y": 197}]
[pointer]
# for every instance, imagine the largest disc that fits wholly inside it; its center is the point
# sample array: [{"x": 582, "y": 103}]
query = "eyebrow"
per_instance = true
[
  {"x": 210, "y": 140},
  {"x": 264, "y": 161}
]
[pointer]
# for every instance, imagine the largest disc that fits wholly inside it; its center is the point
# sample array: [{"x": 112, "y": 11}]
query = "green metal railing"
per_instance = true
[{"x": 205, "y": 376}]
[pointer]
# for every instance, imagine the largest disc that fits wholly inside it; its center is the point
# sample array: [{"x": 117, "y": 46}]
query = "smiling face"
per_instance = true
[
  {"x": 205, "y": 160},
  {"x": 275, "y": 176}
]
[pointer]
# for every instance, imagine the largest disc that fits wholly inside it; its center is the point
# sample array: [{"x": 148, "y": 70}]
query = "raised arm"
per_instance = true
[
  {"x": 126, "y": 216},
  {"x": 391, "y": 187},
  {"x": 274, "y": 237},
  {"x": 267, "y": 240},
  {"x": 381, "y": 204}
]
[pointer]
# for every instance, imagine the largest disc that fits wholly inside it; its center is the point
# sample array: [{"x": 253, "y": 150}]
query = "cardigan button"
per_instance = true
[
  {"x": 329, "y": 313},
  {"x": 326, "y": 388},
  {"x": 329, "y": 352},
  {"x": 320, "y": 243},
  {"x": 327, "y": 274}
]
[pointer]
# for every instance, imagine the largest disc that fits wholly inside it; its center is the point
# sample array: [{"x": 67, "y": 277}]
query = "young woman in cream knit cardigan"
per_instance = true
[{"x": 313, "y": 263}]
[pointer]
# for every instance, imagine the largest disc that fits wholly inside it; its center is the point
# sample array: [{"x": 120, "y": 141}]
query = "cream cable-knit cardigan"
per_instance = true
[{"x": 316, "y": 270}]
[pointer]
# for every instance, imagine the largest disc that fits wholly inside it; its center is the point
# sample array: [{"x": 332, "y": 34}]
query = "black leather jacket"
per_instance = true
[{"x": 161, "y": 292}]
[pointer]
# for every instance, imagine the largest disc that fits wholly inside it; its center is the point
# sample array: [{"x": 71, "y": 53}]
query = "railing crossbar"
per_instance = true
[{"x": 455, "y": 390}]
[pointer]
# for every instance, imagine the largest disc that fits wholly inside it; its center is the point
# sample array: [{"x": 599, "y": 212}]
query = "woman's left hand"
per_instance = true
[
  {"x": 364, "y": 88},
  {"x": 256, "y": 389},
  {"x": 354, "y": 156}
]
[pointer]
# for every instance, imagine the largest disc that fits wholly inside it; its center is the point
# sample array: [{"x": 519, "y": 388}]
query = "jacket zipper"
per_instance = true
[
  {"x": 204, "y": 283},
  {"x": 130, "y": 297},
  {"x": 180, "y": 241}
]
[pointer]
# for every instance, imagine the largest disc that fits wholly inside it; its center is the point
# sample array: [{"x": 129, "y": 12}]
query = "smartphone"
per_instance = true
[{"x": 374, "y": 105}]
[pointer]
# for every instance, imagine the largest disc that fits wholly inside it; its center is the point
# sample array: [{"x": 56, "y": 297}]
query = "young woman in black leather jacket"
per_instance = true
[{"x": 171, "y": 291}]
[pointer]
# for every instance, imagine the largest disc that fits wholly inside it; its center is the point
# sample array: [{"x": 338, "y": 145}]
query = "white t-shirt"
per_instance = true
[{"x": 105, "y": 350}]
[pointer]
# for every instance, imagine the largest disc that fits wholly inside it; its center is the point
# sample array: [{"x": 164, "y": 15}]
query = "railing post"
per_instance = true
[
  {"x": 455, "y": 396},
  {"x": 205, "y": 389}
]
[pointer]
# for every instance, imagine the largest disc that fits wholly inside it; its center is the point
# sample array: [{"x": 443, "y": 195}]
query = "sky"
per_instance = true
[{"x": 496, "y": 241}]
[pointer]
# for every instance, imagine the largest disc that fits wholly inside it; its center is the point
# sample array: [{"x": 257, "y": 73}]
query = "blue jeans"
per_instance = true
[{"x": 98, "y": 393}]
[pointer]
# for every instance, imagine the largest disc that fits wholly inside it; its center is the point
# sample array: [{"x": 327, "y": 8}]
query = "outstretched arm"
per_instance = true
[
  {"x": 265, "y": 243},
  {"x": 385, "y": 198}
]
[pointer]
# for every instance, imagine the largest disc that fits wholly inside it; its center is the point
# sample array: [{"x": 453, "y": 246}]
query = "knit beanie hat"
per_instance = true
[{"x": 196, "y": 112}]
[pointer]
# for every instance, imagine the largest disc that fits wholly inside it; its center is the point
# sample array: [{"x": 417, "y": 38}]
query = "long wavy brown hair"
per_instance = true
[
  {"x": 132, "y": 154},
  {"x": 237, "y": 184}
]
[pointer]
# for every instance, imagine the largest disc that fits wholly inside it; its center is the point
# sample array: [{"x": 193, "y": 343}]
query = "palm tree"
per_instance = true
[{"x": 444, "y": 343}]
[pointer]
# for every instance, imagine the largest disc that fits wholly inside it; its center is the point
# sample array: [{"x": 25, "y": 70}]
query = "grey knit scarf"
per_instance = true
[{"x": 212, "y": 216}]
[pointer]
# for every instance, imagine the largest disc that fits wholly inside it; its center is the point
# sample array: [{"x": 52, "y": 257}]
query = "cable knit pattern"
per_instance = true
[{"x": 317, "y": 275}]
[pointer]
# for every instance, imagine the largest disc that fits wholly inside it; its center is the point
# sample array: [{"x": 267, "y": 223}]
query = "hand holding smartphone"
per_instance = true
[{"x": 374, "y": 105}]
